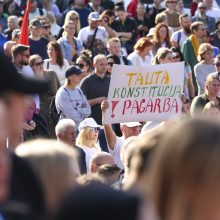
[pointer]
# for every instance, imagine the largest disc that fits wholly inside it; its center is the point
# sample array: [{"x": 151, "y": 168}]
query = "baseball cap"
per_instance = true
[
  {"x": 73, "y": 70},
  {"x": 94, "y": 16},
  {"x": 35, "y": 23},
  {"x": 88, "y": 122},
  {"x": 202, "y": 5},
  {"x": 130, "y": 124},
  {"x": 11, "y": 80}
]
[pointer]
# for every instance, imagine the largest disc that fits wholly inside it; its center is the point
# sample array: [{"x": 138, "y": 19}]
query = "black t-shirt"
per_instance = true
[
  {"x": 95, "y": 87},
  {"x": 39, "y": 47}
]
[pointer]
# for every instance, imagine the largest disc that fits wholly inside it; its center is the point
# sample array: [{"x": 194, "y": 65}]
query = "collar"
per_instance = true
[{"x": 97, "y": 77}]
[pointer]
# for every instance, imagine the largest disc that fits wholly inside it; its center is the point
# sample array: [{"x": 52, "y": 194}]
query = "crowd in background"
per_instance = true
[{"x": 56, "y": 88}]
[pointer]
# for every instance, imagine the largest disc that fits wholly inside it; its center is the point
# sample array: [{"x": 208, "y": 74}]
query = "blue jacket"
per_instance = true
[
  {"x": 67, "y": 49},
  {"x": 209, "y": 24}
]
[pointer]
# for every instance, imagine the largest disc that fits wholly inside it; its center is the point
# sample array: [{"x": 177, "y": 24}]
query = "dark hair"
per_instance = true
[
  {"x": 119, "y": 6},
  {"x": 59, "y": 54},
  {"x": 86, "y": 56},
  {"x": 177, "y": 50},
  {"x": 18, "y": 49},
  {"x": 114, "y": 57},
  {"x": 195, "y": 26}
]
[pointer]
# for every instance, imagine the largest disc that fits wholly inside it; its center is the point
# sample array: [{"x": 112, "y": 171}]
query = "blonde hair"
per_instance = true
[
  {"x": 65, "y": 26},
  {"x": 161, "y": 54},
  {"x": 55, "y": 164},
  {"x": 14, "y": 19},
  {"x": 210, "y": 105},
  {"x": 84, "y": 138},
  {"x": 203, "y": 48},
  {"x": 68, "y": 18},
  {"x": 33, "y": 58}
]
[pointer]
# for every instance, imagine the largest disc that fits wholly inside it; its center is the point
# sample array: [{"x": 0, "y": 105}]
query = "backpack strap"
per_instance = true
[
  {"x": 178, "y": 37},
  {"x": 48, "y": 64}
]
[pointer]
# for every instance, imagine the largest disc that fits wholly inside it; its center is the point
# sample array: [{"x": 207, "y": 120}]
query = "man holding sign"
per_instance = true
[{"x": 114, "y": 142}]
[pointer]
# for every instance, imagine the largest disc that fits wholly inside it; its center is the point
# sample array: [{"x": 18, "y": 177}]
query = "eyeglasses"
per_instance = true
[
  {"x": 172, "y": 2},
  {"x": 39, "y": 64},
  {"x": 217, "y": 64},
  {"x": 46, "y": 27},
  {"x": 94, "y": 129},
  {"x": 80, "y": 65},
  {"x": 25, "y": 55},
  {"x": 202, "y": 8},
  {"x": 110, "y": 63}
]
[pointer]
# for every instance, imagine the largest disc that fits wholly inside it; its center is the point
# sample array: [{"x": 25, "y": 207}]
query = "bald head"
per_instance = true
[{"x": 99, "y": 159}]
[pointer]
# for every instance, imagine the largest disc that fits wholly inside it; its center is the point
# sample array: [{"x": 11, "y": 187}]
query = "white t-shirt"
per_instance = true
[
  {"x": 182, "y": 39},
  {"x": 101, "y": 34},
  {"x": 89, "y": 152},
  {"x": 60, "y": 71},
  {"x": 116, "y": 151},
  {"x": 36, "y": 14},
  {"x": 136, "y": 60}
]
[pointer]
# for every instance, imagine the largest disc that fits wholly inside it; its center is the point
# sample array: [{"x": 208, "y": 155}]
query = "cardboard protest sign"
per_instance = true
[{"x": 150, "y": 93}]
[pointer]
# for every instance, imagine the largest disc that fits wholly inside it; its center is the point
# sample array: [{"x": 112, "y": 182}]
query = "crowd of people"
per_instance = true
[{"x": 58, "y": 160}]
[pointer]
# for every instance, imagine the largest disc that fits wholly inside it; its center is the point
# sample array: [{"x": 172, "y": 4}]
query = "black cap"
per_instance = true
[
  {"x": 11, "y": 80},
  {"x": 73, "y": 70},
  {"x": 119, "y": 6}
]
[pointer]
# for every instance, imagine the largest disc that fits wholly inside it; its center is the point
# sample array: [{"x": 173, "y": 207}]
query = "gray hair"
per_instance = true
[{"x": 63, "y": 124}]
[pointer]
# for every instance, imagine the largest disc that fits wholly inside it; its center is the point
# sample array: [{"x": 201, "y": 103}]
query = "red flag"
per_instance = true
[{"x": 24, "y": 29}]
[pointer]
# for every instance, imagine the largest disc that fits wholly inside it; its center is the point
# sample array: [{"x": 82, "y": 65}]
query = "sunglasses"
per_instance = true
[
  {"x": 39, "y": 64},
  {"x": 202, "y": 8},
  {"x": 94, "y": 129},
  {"x": 110, "y": 63},
  {"x": 46, "y": 27},
  {"x": 217, "y": 64},
  {"x": 80, "y": 65},
  {"x": 172, "y": 2}
]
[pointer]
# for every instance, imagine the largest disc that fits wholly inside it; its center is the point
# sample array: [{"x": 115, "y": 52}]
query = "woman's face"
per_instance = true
[
  {"x": 110, "y": 65},
  {"x": 167, "y": 59},
  {"x": 208, "y": 56},
  {"x": 51, "y": 52},
  {"x": 38, "y": 66},
  {"x": 82, "y": 65},
  {"x": 176, "y": 57},
  {"x": 76, "y": 79},
  {"x": 217, "y": 65},
  {"x": 213, "y": 87},
  {"x": 162, "y": 33},
  {"x": 11, "y": 24},
  {"x": 70, "y": 29},
  {"x": 94, "y": 133},
  {"x": 147, "y": 50}
]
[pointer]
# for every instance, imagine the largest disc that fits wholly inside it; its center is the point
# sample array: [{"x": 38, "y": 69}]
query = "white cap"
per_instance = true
[
  {"x": 88, "y": 122},
  {"x": 130, "y": 124}
]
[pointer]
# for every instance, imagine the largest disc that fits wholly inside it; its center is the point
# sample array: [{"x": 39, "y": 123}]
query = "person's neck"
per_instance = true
[
  {"x": 157, "y": 6},
  {"x": 71, "y": 86},
  {"x": 208, "y": 61},
  {"x": 36, "y": 38},
  {"x": 211, "y": 97},
  {"x": 92, "y": 28},
  {"x": 101, "y": 75},
  {"x": 202, "y": 16},
  {"x": 95, "y": 7},
  {"x": 18, "y": 65},
  {"x": 69, "y": 37},
  {"x": 78, "y": 6},
  {"x": 171, "y": 11},
  {"x": 53, "y": 61}
]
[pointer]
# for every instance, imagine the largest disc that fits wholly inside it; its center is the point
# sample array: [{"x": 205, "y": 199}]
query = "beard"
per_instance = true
[
  {"x": 24, "y": 63},
  {"x": 187, "y": 30}
]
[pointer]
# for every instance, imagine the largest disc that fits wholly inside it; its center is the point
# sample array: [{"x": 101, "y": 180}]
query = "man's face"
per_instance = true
[
  {"x": 121, "y": 15},
  {"x": 202, "y": 10},
  {"x": 93, "y": 24},
  {"x": 101, "y": 66},
  {"x": 130, "y": 131},
  {"x": 115, "y": 48},
  {"x": 200, "y": 33},
  {"x": 186, "y": 22},
  {"x": 33, "y": 7},
  {"x": 36, "y": 31},
  {"x": 69, "y": 136},
  {"x": 24, "y": 58},
  {"x": 96, "y": 2},
  {"x": 171, "y": 4}
]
